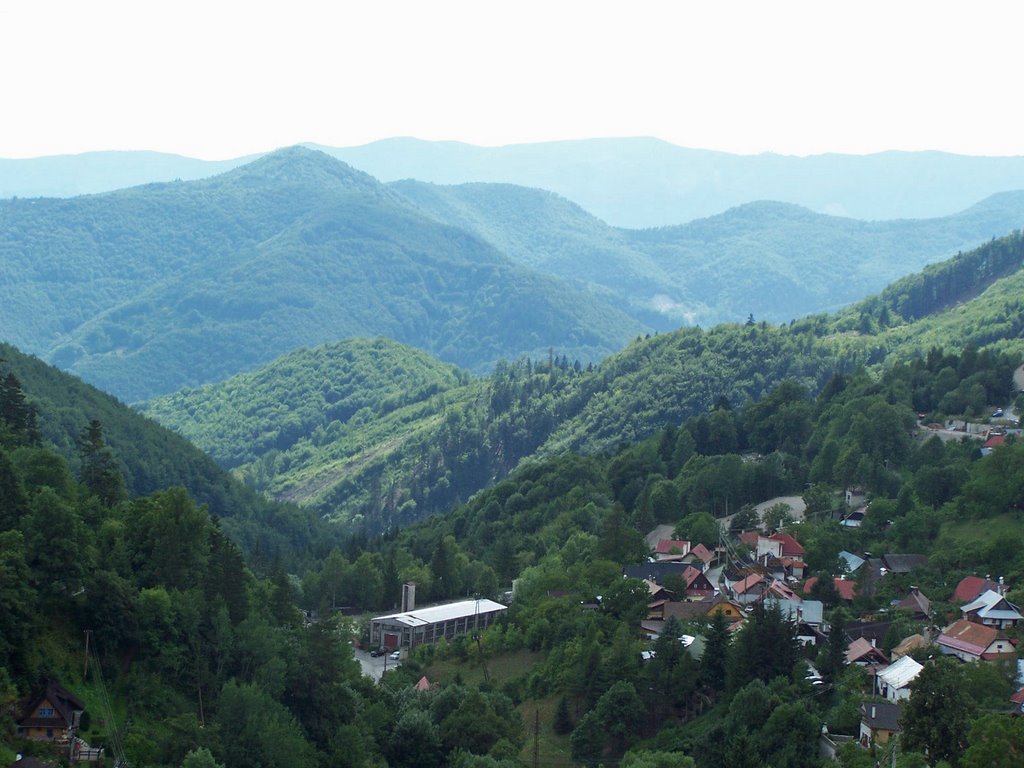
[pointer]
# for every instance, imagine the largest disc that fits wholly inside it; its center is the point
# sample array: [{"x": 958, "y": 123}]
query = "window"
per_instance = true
[{"x": 46, "y": 712}]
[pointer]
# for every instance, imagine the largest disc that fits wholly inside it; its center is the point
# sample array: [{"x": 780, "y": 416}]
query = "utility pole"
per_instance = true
[
  {"x": 536, "y": 738},
  {"x": 85, "y": 671}
]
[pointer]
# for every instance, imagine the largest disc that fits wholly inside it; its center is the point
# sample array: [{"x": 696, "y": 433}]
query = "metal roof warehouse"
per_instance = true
[{"x": 428, "y": 625}]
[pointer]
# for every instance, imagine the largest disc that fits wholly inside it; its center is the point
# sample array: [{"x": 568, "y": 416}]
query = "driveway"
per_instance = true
[{"x": 373, "y": 666}]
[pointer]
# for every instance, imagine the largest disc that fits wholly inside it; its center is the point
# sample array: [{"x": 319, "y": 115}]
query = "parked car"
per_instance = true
[
  {"x": 377, "y": 652},
  {"x": 997, "y": 413},
  {"x": 395, "y": 655}
]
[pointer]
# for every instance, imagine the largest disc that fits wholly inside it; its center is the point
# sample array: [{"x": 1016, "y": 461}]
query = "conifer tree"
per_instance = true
[{"x": 99, "y": 470}]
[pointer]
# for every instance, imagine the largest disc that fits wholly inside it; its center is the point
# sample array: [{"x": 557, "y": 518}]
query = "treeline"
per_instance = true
[
  {"x": 151, "y": 458},
  {"x": 941, "y": 285},
  {"x": 208, "y": 663}
]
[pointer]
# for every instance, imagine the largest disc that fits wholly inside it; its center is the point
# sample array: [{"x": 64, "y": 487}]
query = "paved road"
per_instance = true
[{"x": 374, "y": 666}]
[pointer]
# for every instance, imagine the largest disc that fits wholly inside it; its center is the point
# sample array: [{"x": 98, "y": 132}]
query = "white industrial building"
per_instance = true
[{"x": 428, "y": 625}]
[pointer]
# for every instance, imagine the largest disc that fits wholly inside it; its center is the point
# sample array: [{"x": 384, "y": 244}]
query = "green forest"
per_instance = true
[
  {"x": 205, "y": 587},
  {"x": 214, "y": 657},
  {"x": 147, "y": 290},
  {"x": 317, "y": 428}
]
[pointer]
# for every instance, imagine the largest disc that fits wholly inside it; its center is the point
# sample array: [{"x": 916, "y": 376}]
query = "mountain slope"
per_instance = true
[
  {"x": 153, "y": 458},
  {"x": 146, "y": 290},
  {"x": 392, "y": 466},
  {"x": 775, "y": 260}
]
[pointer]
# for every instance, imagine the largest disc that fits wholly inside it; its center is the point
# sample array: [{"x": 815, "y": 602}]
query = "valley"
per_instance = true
[{"x": 344, "y": 387}]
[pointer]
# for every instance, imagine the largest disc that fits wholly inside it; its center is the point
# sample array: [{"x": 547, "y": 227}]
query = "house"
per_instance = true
[
  {"x": 863, "y": 653},
  {"x": 993, "y": 610},
  {"x": 655, "y": 571},
  {"x": 994, "y": 440},
  {"x": 807, "y": 615},
  {"x": 893, "y": 682},
  {"x": 910, "y": 644},
  {"x": 972, "y": 586},
  {"x": 790, "y": 547},
  {"x": 973, "y": 642},
  {"x": 1017, "y": 702},
  {"x": 657, "y": 592},
  {"x": 699, "y": 609},
  {"x": 793, "y": 567},
  {"x": 847, "y": 589},
  {"x": 749, "y": 589},
  {"x": 903, "y": 563},
  {"x": 916, "y": 604},
  {"x": 671, "y": 547},
  {"x": 699, "y": 556},
  {"x": 854, "y": 519},
  {"x": 879, "y": 722},
  {"x": 697, "y": 584},
  {"x": 872, "y": 631},
  {"x": 51, "y": 715},
  {"x": 851, "y": 561},
  {"x": 781, "y": 590},
  {"x": 761, "y": 546}
]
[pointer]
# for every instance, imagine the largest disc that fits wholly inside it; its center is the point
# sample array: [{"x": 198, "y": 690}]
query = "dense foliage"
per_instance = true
[
  {"x": 219, "y": 667},
  {"x": 396, "y": 460},
  {"x": 148, "y": 457},
  {"x": 146, "y": 290}
]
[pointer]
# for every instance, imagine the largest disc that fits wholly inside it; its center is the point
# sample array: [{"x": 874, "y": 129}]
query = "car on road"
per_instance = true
[{"x": 395, "y": 655}]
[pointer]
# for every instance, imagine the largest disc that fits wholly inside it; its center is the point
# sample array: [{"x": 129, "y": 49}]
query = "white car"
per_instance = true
[{"x": 395, "y": 655}]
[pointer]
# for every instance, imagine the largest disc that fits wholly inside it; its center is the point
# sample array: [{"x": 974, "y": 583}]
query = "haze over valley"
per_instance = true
[{"x": 571, "y": 384}]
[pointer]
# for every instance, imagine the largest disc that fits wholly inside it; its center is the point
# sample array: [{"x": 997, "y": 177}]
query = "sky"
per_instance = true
[{"x": 219, "y": 79}]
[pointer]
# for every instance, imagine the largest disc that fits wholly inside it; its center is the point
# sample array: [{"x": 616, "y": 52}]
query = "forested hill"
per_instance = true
[
  {"x": 150, "y": 289},
  {"x": 777, "y": 261},
  {"x": 399, "y": 460},
  {"x": 149, "y": 457}
]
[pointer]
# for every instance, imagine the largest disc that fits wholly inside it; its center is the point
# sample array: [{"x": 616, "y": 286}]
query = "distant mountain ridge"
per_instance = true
[
  {"x": 777, "y": 261},
  {"x": 146, "y": 290},
  {"x": 629, "y": 182}
]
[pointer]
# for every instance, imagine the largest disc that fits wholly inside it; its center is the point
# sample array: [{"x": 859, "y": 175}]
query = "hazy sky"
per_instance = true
[{"x": 217, "y": 79}]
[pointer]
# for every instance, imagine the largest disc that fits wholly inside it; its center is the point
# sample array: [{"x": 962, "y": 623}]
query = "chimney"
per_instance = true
[
  {"x": 408, "y": 597},
  {"x": 872, "y": 711}
]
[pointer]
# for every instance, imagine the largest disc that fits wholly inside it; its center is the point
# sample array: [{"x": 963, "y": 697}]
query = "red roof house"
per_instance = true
[
  {"x": 970, "y": 642},
  {"x": 672, "y": 547},
  {"x": 790, "y": 546},
  {"x": 847, "y": 589},
  {"x": 970, "y": 587}
]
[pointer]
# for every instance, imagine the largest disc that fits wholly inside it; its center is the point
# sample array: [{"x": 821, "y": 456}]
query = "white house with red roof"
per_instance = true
[{"x": 969, "y": 641}]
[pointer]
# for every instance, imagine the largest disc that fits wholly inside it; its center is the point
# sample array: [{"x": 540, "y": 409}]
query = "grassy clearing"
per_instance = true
[
  {"x": 552, "y": 749},
  {"x": 500, "y": 668},
  {"x": 1006, "y": 525}
]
